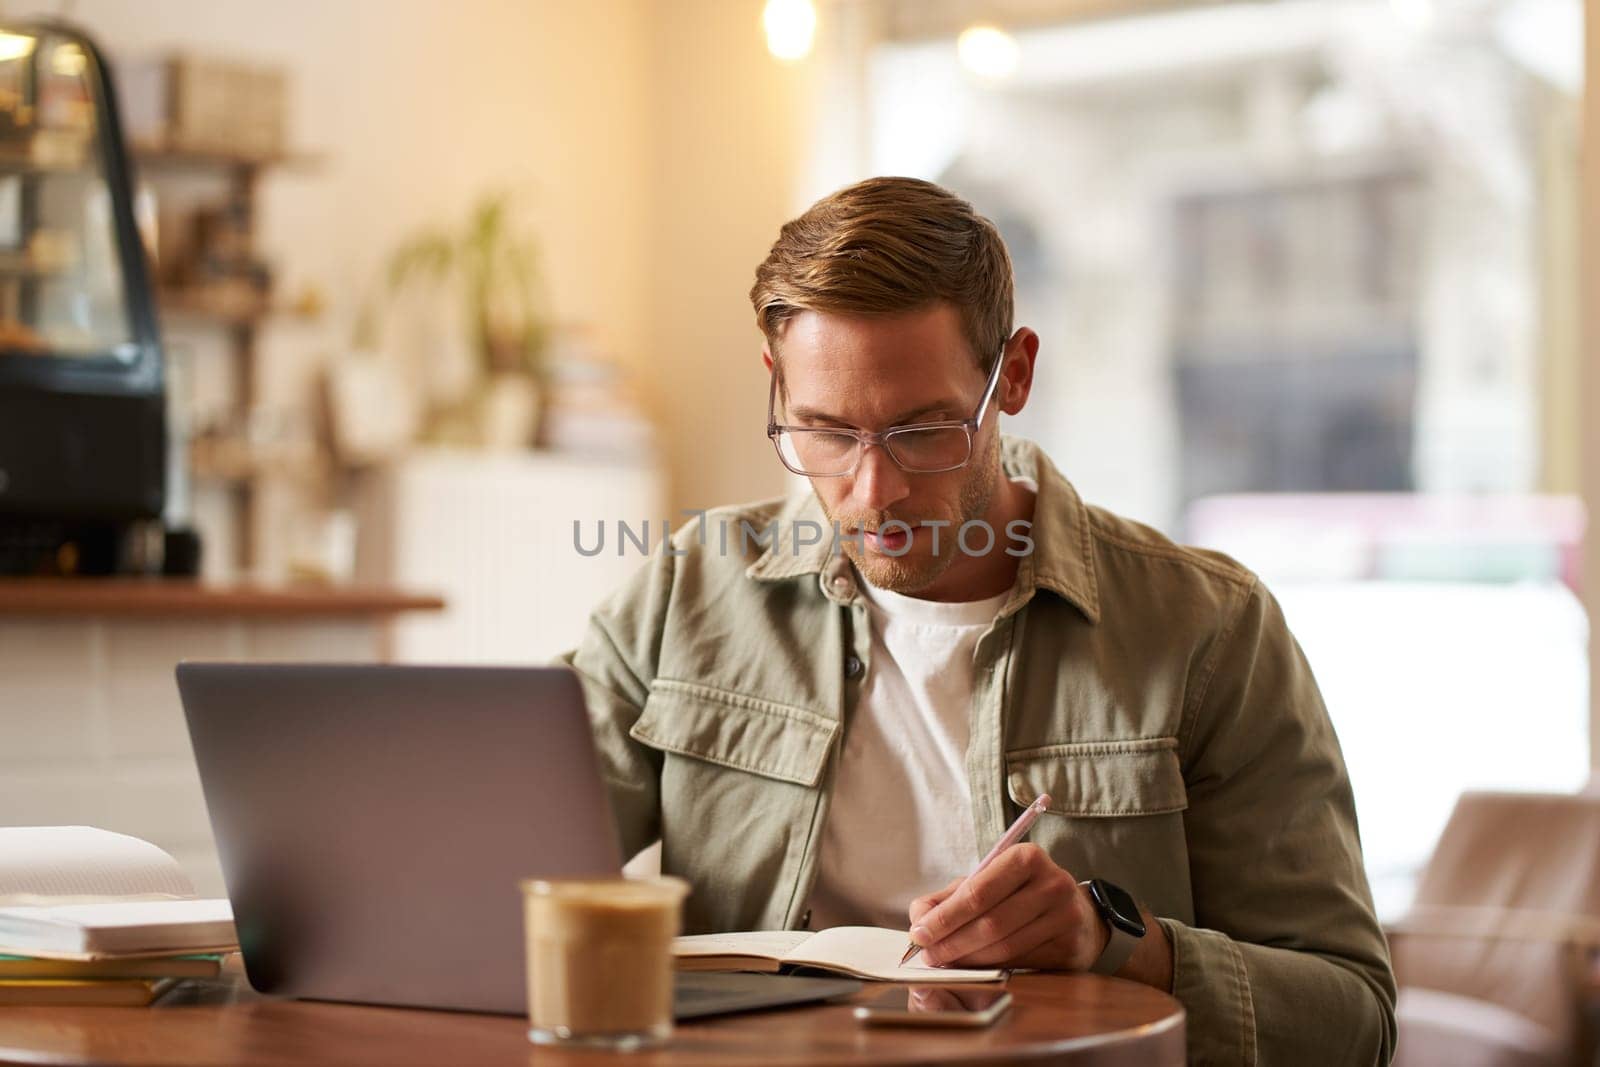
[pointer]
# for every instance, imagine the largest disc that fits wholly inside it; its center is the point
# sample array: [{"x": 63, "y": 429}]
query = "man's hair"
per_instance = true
[{"x": 884, "y": 246}]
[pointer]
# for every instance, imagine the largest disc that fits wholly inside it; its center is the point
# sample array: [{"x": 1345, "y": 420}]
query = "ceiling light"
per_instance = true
[
  {"x": 790, "y": 26},
  {"x": 988, "y": 51}
]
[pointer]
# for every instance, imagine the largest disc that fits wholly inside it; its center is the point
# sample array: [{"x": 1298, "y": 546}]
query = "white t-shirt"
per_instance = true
[{"x": 900, "y": 822}]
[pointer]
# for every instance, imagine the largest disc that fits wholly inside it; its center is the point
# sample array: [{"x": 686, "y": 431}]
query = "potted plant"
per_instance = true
[{"x": 494, "y": 272}]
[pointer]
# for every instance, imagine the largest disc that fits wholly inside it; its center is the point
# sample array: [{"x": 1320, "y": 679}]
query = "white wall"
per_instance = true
[
  {"x": 416, "y": 108},
  {"x": 92, "y": 733},
  {"x": 730, "y": 129}
]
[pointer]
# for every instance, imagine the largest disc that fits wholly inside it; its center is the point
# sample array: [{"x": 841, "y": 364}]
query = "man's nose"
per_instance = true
[{"x": 879, "y": 481}]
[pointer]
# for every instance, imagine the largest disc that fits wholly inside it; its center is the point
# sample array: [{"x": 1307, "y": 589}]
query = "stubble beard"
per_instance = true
[{"x": 916, "y": 570}]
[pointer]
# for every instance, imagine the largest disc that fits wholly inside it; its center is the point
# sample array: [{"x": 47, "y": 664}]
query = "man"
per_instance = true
[{"x": 828, "y": 707}]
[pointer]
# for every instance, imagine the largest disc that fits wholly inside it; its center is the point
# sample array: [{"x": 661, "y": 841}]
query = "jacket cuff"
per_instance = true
[{"x": 1210, "y": 981}]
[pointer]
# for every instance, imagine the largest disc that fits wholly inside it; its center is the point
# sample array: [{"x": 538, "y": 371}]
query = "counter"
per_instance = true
[{"x": 169, "y": 598}]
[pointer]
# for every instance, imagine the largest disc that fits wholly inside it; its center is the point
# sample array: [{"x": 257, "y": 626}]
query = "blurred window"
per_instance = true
[{"x": 1306, "y": 282}]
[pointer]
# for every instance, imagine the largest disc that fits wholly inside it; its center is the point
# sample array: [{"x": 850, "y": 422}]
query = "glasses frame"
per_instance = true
[{"x": 865, "y": 438}]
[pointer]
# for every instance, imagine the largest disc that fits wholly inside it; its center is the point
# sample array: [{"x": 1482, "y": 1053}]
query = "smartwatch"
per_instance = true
[{"x": 1121, "y": 915}]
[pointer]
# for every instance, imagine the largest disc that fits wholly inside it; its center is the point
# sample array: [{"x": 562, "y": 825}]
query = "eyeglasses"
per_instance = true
[{"x": 921, "y": 448}]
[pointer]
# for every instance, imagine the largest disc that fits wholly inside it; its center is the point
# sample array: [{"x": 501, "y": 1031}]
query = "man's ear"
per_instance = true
[
  {"x": 1016, "y": 381},
  {"x": 766, "y": 357}
]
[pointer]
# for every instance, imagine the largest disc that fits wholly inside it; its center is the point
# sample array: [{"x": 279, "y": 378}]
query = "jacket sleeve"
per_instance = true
[
  {"x": 1286, "y": 962},
  {"x": 616, "y": 662}
]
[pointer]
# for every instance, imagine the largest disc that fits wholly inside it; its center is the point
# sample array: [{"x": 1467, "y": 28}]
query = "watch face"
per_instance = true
[{"x": 1118, "y": 906}]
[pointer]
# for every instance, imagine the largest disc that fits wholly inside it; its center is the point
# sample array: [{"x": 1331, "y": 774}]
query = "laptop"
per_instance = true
[{"x": 373, "y": 823}]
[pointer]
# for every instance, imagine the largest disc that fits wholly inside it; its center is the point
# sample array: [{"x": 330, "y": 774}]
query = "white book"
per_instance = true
[
  {"x": 859, "y": 951},
  {"x": 75, "y": 892}
]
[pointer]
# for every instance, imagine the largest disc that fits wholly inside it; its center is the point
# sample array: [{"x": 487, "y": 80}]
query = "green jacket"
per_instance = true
[{"x": 1152, "y": 690}]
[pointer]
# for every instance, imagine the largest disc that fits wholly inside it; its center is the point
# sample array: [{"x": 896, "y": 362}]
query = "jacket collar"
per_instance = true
[{"x": 1062, "y": 559}]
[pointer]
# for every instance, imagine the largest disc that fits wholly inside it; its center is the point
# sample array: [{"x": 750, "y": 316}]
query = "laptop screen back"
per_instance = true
[{"x": 373, "y": 822}]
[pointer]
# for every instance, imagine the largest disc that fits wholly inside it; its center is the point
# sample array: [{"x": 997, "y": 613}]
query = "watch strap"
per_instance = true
[
  {"x": 1116, "y": 953},
  {"x": 1119, "y": 946}
]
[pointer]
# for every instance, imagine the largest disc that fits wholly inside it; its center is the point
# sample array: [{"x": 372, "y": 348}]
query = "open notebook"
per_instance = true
[
  {"x": 78, "y": 893},
  {"x": 859, "y": 951}
]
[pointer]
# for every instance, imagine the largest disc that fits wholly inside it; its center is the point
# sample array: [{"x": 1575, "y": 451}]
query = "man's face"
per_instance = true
[{"x": 871, "y": 373}]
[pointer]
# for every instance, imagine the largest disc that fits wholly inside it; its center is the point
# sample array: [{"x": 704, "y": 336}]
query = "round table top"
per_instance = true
[{"x": 1055, "y": 1018}]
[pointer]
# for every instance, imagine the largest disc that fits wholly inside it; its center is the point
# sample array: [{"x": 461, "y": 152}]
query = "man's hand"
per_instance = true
[
  {"x": 1024, "y": 911},
  {"x": 1020, "y": 911}
]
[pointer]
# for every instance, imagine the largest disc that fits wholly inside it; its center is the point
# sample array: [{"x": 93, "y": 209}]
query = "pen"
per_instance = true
[{"x": 1018, "y": 830}]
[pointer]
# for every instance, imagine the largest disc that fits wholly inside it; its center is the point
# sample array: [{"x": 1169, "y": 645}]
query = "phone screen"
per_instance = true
[
  {"x": 937, "y": 999},
  {"x": 936, "y": 1005}
]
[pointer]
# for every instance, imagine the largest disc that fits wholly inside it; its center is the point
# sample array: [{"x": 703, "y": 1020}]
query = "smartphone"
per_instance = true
[{"x": 935, "y": 1005}]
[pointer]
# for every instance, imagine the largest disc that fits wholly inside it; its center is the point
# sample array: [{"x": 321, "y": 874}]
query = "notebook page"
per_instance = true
[
  {"x": 763, "y": 944},
  {"x": 72, "y": 864},
  {"x": 870, "y": 952}
]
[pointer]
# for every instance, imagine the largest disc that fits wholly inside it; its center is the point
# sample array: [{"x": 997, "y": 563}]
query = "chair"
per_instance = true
[{"x": 1496, "y": 959}]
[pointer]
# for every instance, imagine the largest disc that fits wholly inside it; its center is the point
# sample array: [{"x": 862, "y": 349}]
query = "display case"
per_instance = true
[{"x": 82, "y": 407}]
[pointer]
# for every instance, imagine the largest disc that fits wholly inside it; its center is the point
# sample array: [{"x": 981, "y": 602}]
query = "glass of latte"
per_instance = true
[{"x": 600, "y": 960}]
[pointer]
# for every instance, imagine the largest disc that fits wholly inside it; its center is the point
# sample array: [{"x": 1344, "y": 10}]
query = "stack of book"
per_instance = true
[
  {"x": 592, "y": 409},
  {"x": 92, "y": 917}
]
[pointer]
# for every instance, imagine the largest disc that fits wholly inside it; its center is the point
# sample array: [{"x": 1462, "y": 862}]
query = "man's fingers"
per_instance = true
[
  {"x": 1013, "y": 950},
  {"x": 1067, "y": 935},
  {"x": 994, "y": 926},
  {"x": 1012, "y": 869},
  {"x": 924, "y": 904}
]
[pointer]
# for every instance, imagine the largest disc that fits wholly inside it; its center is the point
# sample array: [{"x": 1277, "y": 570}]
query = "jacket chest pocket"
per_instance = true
[
  {"x": 740, "y": 794},
  {"x": 1100, "y": 779},
  {"x": 1116, "y": 812},
  {"x": 775, "y": 741}
]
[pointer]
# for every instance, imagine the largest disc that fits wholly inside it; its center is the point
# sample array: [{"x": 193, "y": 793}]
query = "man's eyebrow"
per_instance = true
[{"x": 808, "y": 414}]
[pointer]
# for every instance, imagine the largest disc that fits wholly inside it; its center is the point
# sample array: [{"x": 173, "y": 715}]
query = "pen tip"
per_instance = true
[{"x": 912, "y": 950}]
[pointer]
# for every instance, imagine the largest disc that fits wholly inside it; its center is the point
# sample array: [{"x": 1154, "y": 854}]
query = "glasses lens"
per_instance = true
[
  {"x": 939, "y": 448},
  {"x": 819, "y": 453}
]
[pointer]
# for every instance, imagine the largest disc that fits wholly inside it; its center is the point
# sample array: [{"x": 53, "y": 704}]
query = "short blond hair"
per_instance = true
[{"x": 889, "y": 245}]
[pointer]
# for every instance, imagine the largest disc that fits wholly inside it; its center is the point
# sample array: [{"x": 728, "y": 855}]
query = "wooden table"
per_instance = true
[{"x": 1056, "y": 1019}]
